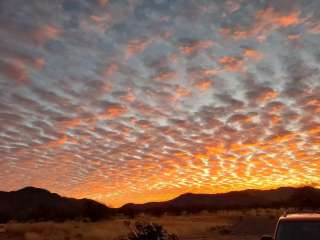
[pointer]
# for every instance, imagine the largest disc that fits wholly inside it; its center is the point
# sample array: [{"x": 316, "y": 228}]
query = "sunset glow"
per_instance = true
[{"x": 142, "y": 100}]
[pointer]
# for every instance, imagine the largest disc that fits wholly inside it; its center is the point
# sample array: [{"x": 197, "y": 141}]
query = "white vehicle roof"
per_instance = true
[{"x": 301, "y": 217}]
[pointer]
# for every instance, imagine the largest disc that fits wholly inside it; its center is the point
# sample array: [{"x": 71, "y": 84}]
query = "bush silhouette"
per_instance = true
[{"x": 149, "y": 231}]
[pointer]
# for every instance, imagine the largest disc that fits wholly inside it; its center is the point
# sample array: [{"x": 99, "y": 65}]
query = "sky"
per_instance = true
[{"x": 143, "y": 100}]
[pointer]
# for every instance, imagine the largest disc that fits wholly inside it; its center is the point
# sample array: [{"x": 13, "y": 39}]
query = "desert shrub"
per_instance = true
[
  {"x": 148, "y": 231},
  {"x": 225, "y": 231},
  {"x": 222, "y": 229}
]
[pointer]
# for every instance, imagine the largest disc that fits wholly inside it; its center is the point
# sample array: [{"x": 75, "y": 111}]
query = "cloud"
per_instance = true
[
  {"x": 180, "y": 92},
  {"x": 45, "y": 33},
  {"x": 202, "y": 73},
  {"x": 56, "y": 143},
  {"x": 136, "y": 46},
  {"x": 102, "y": 22},
  {"x": 262, "y": 95},
  {"x": 15, "y": 70},
  {"x": 39, "y": 63},
  {"x": 10, "y": 117},
  {"x": 113, "y": 110},
  {"x": 240, "y": 118},
  {"x": 233, "y": 103},
  {"x": 103, "y": 3},
  {"x": 126, "y": 96},
  {"x": 275, "y": 106},
  {"x": 203, "y": 84},
  {"x": 314, "y": 29},
  {"x": 253, "y": 54},
  {"x": 313, "y": 128},
  {"x": 194, "y": 46},
  {"x": 232, "y": 64},
  {"x": 213, "y": 96},
  {"x": 165, "y": 75},
  {"x": 264, "y": 23},
  {"x": 70, "y": 123},
  {"x": 109, "y": 69},
  {"x": 22, "y": 58}
]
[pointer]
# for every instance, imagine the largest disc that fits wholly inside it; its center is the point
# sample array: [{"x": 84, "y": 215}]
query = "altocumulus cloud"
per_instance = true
[{"x": 143, "y": 100}]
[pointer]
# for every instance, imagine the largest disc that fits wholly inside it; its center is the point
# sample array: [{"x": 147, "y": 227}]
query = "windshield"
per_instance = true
[{"x": 298, "y": 230}]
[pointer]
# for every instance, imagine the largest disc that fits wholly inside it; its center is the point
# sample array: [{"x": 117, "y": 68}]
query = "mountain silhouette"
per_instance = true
[
  {"x": 304, "y": 197},
  {"x": 36, "y": 204}
]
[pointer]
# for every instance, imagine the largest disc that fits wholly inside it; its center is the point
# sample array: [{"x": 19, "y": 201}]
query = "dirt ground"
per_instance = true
[{"x": 227, "y": 225}]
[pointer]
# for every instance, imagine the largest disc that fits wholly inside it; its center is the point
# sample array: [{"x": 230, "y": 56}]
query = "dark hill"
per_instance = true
[
  {"x": 305, "y": 197},
  {"x": 38, "y": 204}
]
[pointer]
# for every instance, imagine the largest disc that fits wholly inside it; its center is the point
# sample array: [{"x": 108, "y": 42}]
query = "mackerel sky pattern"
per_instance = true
[{"x": 142, "y": 100}]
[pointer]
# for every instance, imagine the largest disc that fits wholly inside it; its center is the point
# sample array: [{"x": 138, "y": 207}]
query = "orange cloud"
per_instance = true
[
  {"x": 263, "y": 95},
  {"x": 136, "y": 46},
  {"x": 180, "y": 92},
  {"x": 269, "y": 20},
  {"x": 288, "y": 20},
  {"x": 143, "y": 124},
  {"x": 14, "y": 69},
  {"x": 165, "y": 75},
  {"x": 113, "y": 111},
  {"x": 311, "y": 101},
  {"x": 204, "y": 84},
  {"x": 70, "y": 123},
  {"x": 148, "y": 110},
  {"x": 209, "y": 72},
  {"x": 267, "y": 95},
  {"x": 202, "y": 73},
  {"x": 275, "y": 119},
  {"x": 103, "y": 3},
  {"x": 128, "y": 97},
  {"x": 195, "y": 46},
  {"x": 294, "y": 37},
  {"x": 110, "y": 70},
  {"x": 215, "y": 149},
  {"x": 314, "y": 129},
  {"x": 314, "y": 29},
  {"x": 39, "y": 63},
  {"x": 275, "y": 106},
  {"x": 251, "y": 53},
  {"x": 56, "y": 143},
  {"x": 240, "y": 118},
  {"x": 266, "y": 21},
  {"x": 101, "y": 22},
  {"x": 232, "y": 64},
  {"x": 45, "y": 33}
]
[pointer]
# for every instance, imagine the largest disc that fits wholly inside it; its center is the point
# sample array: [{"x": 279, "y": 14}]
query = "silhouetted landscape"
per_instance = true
[
  {"x": 159, "y": 119},
  {"x": 36, "y": 214},
  {"x": 285, "y": 197},
  {"x": 41, "y": 205}
]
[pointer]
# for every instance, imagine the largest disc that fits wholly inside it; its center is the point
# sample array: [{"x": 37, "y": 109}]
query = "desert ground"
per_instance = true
[{"x": 223, "y": 225}]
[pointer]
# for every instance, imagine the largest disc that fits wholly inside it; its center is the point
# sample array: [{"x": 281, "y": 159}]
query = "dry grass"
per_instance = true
[
  {"x": 223, "y": 225},
  {"x": 70, "y": 230}
]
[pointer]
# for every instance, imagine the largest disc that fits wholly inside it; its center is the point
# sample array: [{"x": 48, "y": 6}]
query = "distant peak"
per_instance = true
[
  {"x": 33, "y": 189},
  {"x": 188, "y": 194}
]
